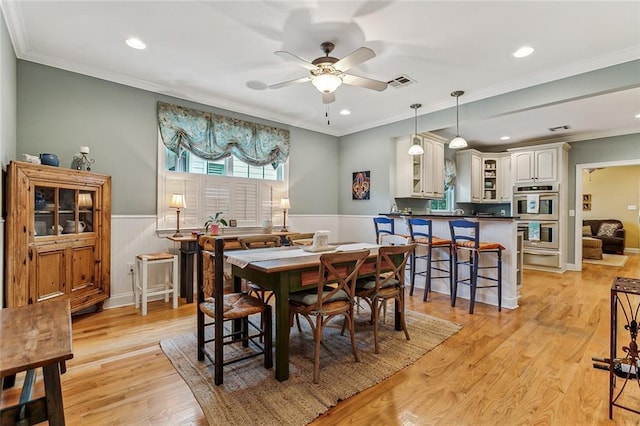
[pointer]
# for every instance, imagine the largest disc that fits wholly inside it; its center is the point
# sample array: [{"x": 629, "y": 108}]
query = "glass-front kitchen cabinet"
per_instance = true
[{"x": 58, "y": 235}]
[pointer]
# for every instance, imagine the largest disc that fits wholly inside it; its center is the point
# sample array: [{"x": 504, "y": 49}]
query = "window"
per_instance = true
[
  {"x": 247, "y": 194},
  {"x": 230, "y": 166},
  {"x": 445, "y": 204}
]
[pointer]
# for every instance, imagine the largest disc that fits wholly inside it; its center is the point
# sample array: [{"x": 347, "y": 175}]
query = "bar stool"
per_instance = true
[
  {"x": 170, "y": 284},
  {"x": 465, "y": 235},
  {"x": 422, "y": 236},
  {"x": 384, "y": 226}
]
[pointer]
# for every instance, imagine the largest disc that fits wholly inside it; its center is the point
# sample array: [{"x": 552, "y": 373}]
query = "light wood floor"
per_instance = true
[{"x": 531, "y": 365}]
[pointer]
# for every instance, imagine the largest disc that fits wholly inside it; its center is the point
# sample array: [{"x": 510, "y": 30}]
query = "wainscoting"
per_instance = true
[{"x": 133, "y": 235}]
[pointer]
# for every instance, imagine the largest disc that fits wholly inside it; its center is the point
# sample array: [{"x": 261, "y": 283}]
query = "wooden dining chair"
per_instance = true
[
  {"x": 216, "y": 308},
  {"x": 332, "y": 296},
  {"x": 300, "y": 239},
  {"x": 387, "y": 284}
]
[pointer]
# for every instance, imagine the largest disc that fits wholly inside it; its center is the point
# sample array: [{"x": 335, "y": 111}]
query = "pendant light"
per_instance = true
[
  {"x": 416, "y": 148},
  {"x": 457, "y": 142}
]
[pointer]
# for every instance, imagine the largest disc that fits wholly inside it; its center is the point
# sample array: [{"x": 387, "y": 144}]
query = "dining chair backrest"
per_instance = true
[
  {"x": 465, "y": 233},
  {"x": 383, "y": 226},
  {"x": 303, "y": 238},
  {"x": 259, "y": 241},
  {"x": 341, "y": 270},
  {"x": 388, "y": 267},
  {"x": 421, "y": 230},
  {"x": 210, "y": 274}
]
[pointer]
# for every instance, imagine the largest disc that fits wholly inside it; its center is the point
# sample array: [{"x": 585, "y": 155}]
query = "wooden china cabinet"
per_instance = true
[{"x": 58, "y": 235}]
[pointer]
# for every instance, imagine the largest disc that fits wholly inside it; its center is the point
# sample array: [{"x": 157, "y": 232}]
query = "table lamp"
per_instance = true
[
  {"x": 85, "y": 201},
  {"x": 284, "y": 205},
  {"x": 177, "y": 202}
]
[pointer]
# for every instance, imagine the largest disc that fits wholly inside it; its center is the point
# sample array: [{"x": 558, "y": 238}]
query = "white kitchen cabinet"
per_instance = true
[
  {"x": 541, "y": 163},
  {"x": 490, "y": 187},
  {"x": 505, "y": 181},
  {"x": 469, "y": 180},
  {"x": 420, "y": 176},
  {"x": 483, "y": 177}
]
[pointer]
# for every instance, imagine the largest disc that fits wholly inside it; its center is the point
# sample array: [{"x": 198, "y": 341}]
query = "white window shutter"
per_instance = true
[
  {"x": 244, "y": 202},
  {"x": 217, "y": 196}
]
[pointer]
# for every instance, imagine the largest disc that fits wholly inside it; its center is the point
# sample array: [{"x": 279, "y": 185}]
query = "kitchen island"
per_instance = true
[{"x": 501, "y": 229}]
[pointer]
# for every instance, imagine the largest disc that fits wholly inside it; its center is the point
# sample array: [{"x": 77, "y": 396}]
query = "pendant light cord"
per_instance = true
[{"x": 457, "y": 121}]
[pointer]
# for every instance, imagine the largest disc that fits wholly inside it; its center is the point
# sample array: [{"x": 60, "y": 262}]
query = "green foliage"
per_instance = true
[{"x": 216, "y": 219}]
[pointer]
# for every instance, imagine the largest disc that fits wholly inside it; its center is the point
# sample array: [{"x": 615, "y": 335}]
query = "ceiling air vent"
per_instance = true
[
  {"x": 400, "y": 81},
  {"x": 558, "y": 128}
]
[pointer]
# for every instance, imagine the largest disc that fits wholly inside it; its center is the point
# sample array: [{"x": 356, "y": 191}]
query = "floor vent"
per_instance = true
[{"x": 401, "y": 81}]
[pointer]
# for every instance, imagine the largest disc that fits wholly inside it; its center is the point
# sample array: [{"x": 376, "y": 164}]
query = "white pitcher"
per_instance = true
[{"x": 70, "y": 227}]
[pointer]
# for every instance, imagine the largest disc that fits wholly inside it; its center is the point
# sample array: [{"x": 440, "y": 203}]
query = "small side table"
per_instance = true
[
  {"x": 34, "y": 336},
  {"x": 188, "y": 249}
]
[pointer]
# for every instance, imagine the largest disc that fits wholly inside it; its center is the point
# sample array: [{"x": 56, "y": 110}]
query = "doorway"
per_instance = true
[{"x": 580, "y": 168}]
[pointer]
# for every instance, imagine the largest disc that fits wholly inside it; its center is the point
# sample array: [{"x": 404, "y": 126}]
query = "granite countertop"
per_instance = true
[{"x": 451, "y": 215}]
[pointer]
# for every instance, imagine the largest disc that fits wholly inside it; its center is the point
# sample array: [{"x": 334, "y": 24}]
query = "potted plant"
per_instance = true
[{"x": 213, "y": 223}]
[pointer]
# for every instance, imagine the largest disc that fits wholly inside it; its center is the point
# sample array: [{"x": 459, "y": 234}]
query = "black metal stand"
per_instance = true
[{"x": 625, "y": 305}]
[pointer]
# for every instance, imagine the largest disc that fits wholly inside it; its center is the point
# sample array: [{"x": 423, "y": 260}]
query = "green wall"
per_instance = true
[
  {"x": 619, "y": 148},
  {"x": 59, "y": 111},
  {"x": 7, "y": 99}
]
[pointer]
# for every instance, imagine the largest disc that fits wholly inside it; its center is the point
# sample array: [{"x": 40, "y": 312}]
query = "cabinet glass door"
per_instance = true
[
  {"x": 85, "y": 211},
  {"x": 44, "y": 211},
  {"x": 489, "y": 173},
  {"x": 66, "y": 211}
]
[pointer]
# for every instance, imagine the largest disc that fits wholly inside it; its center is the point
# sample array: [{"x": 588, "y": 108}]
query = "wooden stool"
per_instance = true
[
  {"x": 465, "y": 236},
  {"x": 383, "y": 226},
  {"x": 422, "y": 236},
  {"x": 144, "y": 289}
]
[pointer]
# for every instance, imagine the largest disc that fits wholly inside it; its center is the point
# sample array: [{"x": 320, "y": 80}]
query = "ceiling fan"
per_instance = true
[{"x": 328, "y": 73}]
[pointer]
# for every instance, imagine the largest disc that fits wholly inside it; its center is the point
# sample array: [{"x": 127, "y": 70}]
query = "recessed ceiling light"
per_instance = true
[
  {"x": 523, "y": 51},
  {"x": 505, "y": 138},
  {"x": 345, "y": 112},
  {"x": 135, "y": 43},
  {"x": 638, "y": 115}
]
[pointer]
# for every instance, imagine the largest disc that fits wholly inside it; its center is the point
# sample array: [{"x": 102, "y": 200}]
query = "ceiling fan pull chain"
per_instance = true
[{"x": 326, "y": 114}]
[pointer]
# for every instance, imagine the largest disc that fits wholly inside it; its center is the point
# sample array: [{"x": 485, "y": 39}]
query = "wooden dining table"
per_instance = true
[
  {"x": 36, "y": 336},
  {"x": 284, "y": 270}
]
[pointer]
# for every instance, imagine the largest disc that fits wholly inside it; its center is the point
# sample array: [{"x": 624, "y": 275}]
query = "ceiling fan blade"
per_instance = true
[
  {"x": 354, "y": 80},
  {"x": 328, "y": 98},
  {"x": 354, "y": 58},
  {"x": 289, "y": 82},
  {"x": 297, "y": 59}
]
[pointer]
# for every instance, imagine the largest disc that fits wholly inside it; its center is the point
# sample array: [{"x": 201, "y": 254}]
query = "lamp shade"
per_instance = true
[
  {"x": 285, "y": 204},
  {"x": 326, "y": 83},
  {"x": 85, "y": 201},
  {"x": 415, "y": 149},
  {"x": 177, "y": 201},
  {"x": 457, "y": 143}
]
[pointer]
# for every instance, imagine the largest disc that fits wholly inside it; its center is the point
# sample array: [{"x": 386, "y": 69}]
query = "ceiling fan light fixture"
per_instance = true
[
  {"x": 457, "y": 142},
  {"x": 326, "y": 83},
  {"x": 416, "y": 147}
]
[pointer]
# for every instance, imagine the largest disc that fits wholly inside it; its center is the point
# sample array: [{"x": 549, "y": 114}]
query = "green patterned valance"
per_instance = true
[{"x": 213, "y": 137}]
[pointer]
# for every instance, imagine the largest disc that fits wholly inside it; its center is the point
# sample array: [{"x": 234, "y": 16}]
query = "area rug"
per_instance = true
[
  {"x": 251, "y": 395},
  {"x": 608, "y": 260}
]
